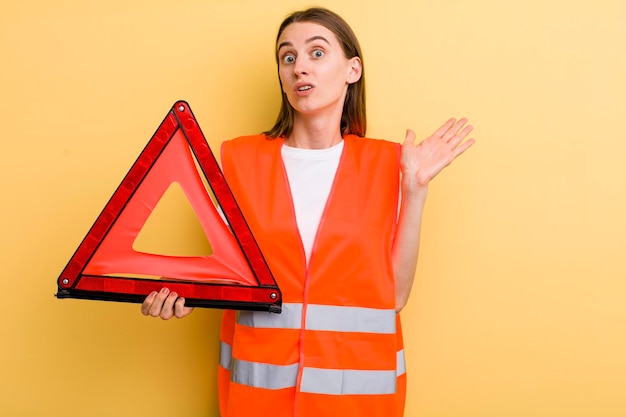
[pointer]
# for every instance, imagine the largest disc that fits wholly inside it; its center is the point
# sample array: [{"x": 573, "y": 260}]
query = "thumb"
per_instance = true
[{"x": 410, "y": 138}]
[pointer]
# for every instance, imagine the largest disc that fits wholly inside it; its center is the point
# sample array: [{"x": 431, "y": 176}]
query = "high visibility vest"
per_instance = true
[{"x": 336, "y": 348}]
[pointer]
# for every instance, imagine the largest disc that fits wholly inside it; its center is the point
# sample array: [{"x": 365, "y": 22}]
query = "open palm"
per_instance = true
[{"x": 422, "y": 162}]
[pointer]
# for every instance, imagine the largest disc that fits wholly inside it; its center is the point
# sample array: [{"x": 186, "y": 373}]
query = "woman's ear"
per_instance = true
[{"x": 355, "y": 70}]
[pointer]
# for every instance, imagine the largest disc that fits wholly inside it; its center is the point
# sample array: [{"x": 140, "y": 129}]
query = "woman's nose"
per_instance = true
[{"x": 300, "y": 68}]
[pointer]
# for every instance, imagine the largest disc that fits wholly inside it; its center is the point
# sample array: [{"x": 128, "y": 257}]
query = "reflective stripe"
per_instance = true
[
  {"x": 289, "y": 318},
  {"x": 226, "y": 354},
  {"x": 314, "y": 380},
  {"x": 317, "y": 380},
  {"x": 350, "y": 319},
  {"x": 324, "y": 318},
  {"x": 400, "y": 363},
  {"x": 263, "y": 375},
  {"x": 346, "y": 382}
]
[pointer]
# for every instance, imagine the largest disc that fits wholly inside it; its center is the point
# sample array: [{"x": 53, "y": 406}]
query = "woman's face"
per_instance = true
[{"x": 313, "y": 69}]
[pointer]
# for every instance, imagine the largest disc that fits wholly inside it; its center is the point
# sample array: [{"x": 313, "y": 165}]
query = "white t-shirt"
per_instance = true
[{"x": 311, "y": 173}]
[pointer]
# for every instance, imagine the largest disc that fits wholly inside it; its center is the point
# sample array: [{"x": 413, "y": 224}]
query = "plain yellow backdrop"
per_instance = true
[{"x": 518, "y": 307}]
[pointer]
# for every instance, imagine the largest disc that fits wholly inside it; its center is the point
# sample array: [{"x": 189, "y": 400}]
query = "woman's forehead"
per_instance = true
[{"x": 304, "y": 31}]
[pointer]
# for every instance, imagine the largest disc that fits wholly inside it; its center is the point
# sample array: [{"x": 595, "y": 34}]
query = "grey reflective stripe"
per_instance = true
[
  {"x": 323, "y": 317},
  {"x": 346, "y": 382},
  {"x": 263, "y": 375},
  {"x": 289, "y": 318},
  {"x": 350, "y": 319},
  {"x": 226, "y": 354},
  {"x": 400, "y": 363},
  {"x": 314, "y": 380}
]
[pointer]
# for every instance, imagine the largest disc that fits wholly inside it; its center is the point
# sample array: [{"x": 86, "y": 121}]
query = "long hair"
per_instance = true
[{"x": 353, "y": 118}]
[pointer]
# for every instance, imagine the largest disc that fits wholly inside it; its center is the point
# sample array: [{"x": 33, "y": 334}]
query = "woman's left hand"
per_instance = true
[{"x": 422, "y": 162}]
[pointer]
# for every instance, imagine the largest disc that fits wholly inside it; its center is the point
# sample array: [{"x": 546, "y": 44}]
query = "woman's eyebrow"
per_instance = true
[
  {"x": 317, "y": 37},
  {"x": 309, "y": 40}
]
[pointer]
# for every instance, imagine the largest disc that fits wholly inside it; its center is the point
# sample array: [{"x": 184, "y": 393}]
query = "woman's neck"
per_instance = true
[{"x": 314, "y": 133}]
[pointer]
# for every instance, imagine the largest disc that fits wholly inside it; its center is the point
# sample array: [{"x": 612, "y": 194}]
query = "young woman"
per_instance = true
[{"x": 324, "y": 204}]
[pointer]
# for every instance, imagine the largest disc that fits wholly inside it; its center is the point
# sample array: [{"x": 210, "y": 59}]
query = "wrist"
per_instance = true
[{"x": 414, "y": 191}]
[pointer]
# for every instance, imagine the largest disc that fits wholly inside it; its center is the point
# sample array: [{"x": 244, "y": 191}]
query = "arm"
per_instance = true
[{"x": 419, "y": 164}]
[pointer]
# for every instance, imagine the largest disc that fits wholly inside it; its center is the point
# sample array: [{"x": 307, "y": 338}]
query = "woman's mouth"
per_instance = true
[{"x": 303, "y": 89}]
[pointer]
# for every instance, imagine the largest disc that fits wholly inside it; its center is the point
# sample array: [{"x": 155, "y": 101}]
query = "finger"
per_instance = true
[
  {"x": 157, "y": 304},
  {"x": 167, "y": 312},
  {"x": 180, "y": 310},
  {"x": 458, "y": 138},
  {"x": 444, "y": 128},
  {"x": 452, "y": 132},
  {"x": 463, "y": 147},
  {"x": 147, "y": 303}
]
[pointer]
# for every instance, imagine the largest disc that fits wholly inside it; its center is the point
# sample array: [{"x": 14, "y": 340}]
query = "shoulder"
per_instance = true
[
  {"x": 248, "y": 140},
  {"x": 249, "y": 149},
  {"x": 250, "y": 143},
  {"x": 371, "y": 144},
  {"x": 375, "y": 142}
]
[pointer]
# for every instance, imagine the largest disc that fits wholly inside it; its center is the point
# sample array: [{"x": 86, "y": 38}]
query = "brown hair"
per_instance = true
[{"x": 353, "y": 118}]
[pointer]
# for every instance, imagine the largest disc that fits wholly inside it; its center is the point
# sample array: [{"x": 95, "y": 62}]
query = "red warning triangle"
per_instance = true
[{"x": 106, "y": 266}]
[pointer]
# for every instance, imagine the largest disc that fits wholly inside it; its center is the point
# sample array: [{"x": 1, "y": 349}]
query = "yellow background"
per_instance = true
[{"x": 519, "y": 304}]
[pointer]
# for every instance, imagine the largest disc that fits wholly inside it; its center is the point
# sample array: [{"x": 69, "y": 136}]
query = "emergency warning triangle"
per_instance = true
[{"x": 107, "y": 267}]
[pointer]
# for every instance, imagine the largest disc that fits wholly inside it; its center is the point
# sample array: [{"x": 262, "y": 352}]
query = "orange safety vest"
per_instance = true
[{"x": 336, "y": 348}]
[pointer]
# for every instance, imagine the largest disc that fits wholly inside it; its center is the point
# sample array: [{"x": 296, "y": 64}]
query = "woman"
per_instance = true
[{"x": 322, "y": 201}]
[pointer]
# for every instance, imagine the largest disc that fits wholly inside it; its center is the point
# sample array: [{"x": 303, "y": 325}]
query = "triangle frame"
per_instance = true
[{"x": 99, "y": 268}]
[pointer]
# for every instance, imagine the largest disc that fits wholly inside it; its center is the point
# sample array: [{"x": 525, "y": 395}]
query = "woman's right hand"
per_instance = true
[{"x": 165, "y": 304}]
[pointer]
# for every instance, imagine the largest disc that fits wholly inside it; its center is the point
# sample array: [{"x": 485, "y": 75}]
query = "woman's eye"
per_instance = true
[
  {"x": 318, "y": 53},
  {"x": 289, "y": 59}
]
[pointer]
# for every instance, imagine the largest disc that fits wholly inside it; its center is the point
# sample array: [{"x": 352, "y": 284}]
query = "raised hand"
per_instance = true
[{"x": 422, "y": 162}]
